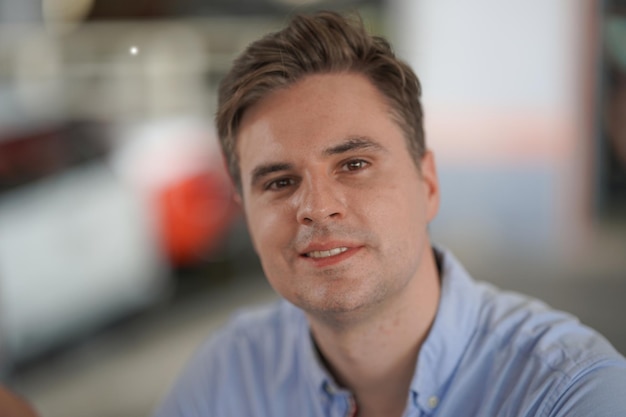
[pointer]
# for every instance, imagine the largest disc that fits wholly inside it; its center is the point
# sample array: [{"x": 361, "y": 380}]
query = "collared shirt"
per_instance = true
[{"x": 488, "y": 353}]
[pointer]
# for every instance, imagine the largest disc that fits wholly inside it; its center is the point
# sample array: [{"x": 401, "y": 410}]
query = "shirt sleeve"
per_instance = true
[{"x": 598, "y": 392}]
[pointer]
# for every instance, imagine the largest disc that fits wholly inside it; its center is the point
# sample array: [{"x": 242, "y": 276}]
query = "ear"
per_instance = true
[
  {"x": 237, "y": 198},
  {"x": 431, "y": 184}
]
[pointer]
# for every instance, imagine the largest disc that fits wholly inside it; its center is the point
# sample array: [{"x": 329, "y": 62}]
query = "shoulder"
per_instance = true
[
  {"x": 543, "y": 357},
  {"x": 258, "y": 328},
  {"x": 262, "y": 335},
  {"x": 519, "y": 324},
  {"x": 492, "y": 352},
  {"x": 258, "y": 338},
  {"x": 237, "y": 362}
]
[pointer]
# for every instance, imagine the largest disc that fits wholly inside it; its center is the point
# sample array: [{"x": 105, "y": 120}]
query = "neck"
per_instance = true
[{"x": 375, "y": 357}]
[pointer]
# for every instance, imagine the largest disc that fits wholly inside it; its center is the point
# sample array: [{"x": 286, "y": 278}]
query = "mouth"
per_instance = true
[
  {"x": 328, "y": 254},
  {"x": 320, "y": 254}
]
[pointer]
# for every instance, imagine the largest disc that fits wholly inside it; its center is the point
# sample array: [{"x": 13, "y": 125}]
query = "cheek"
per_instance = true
[
  {"x": 268, "y": 228},
  {"x": 399, "y": 216}
]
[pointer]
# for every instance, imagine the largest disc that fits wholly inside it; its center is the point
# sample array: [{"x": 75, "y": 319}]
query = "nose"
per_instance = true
[{"x": 318, "y": 200}]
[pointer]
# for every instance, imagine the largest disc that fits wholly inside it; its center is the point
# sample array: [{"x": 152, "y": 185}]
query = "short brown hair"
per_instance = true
[{"x": 324, "y": 42}]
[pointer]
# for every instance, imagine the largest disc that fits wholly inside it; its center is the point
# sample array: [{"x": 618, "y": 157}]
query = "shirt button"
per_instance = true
[
  {"x": 329, "y": 389},
  {"x": 433, "y": 402}
]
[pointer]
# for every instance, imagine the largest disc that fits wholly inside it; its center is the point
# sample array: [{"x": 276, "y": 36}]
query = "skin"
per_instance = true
[
  {"x": 13, "y": 406},
  {"x": 325, "y": 167}
]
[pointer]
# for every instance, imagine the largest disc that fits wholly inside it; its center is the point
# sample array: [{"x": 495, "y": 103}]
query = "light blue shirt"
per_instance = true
[{"x": 489, "y": 353}]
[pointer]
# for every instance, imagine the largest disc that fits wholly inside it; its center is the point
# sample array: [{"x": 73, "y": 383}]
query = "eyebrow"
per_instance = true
[{"x": 352, "y": 144}]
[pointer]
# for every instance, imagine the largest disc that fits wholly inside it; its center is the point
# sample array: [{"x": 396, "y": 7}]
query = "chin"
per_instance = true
[{"x": 340, "y": 309}]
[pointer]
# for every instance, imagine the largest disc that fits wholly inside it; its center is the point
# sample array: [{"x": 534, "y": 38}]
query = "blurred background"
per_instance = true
[{"x": 120, "y": 249}]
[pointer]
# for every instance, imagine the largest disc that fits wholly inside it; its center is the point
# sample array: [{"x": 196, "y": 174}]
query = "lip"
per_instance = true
[{"x": 352, "y": 249}]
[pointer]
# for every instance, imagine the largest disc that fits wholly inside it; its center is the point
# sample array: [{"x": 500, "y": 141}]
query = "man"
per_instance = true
[{"x": 321, "y": 126}]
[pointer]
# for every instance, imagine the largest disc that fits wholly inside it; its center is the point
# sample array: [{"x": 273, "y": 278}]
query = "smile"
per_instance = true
[{"x": 325, "y": 253}]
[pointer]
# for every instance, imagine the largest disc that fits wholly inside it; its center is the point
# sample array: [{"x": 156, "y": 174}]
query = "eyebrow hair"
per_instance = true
[
  {"x": 353, "y": 143},
  {"x": 264, "y": 170}
]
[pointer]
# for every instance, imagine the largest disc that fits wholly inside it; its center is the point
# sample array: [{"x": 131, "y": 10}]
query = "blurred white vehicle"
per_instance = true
[
  {"x": 92, "y": 228},
  {"x": 78, "y": 246}
]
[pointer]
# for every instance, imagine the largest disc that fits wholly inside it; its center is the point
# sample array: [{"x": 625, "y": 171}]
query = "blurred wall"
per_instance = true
[
  {"x": 12, "y": 11},
  {"x": 508, "y": 91}
]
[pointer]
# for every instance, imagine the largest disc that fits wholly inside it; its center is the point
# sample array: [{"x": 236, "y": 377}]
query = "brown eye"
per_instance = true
[
  {"x": 279, "y": 183},
  {"x": 355, "y": 164}
]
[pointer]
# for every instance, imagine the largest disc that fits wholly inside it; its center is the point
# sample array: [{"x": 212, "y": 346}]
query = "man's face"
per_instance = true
[{"x": 336, "y": 207}]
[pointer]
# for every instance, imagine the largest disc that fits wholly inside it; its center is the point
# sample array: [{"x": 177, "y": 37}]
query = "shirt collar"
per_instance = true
[
  {"x": 452, "y": 329},
  {"x": 316, "y": 370}
]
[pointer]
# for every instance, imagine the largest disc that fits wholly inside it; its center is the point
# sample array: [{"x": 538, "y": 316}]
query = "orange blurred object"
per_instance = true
[{"x": 195, "y": 214}]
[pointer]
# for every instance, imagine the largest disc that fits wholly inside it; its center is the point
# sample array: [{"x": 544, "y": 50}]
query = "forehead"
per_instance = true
[{"x": 321, "y": 106}]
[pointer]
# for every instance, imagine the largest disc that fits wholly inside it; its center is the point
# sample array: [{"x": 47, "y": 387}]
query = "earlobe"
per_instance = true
[{"x": 431, "y": 182}]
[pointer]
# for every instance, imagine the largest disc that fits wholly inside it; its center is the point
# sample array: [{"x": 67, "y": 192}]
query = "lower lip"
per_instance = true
[{"x": 331, "y": 260}]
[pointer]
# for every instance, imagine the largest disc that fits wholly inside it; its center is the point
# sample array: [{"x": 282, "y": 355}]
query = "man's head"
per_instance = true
[
  {"x": 337, "y": 203},
  {"x": 323, "y": 43}
]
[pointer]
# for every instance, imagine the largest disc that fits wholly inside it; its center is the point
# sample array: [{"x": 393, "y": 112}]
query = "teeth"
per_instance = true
[{"x": 326, "y": 253}]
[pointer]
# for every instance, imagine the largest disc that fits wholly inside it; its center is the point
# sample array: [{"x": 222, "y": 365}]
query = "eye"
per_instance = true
[
  {"x": 279, "y": 183},
  {"x": 355, "y": 165}
]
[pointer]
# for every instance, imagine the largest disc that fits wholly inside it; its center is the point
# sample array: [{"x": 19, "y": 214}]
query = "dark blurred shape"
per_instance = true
[
  {"x": 37, "y": 153},
  {"x": 144, "y": 9},
  {"x": 612, "y": 143},
  {"x": 136, "y": 10}
]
